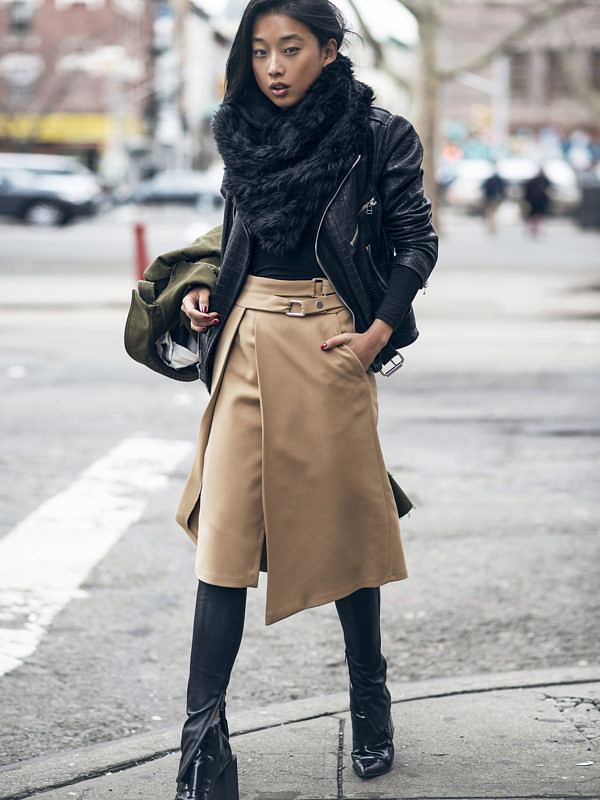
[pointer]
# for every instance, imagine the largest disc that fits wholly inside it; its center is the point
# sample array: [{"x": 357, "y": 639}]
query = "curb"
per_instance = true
[{"x": 23, "y": 779}]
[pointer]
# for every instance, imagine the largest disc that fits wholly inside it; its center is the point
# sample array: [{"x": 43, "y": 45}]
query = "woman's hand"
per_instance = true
[
  {"x": 364, "y": 345},
  {"x": 195, "y": 306}
]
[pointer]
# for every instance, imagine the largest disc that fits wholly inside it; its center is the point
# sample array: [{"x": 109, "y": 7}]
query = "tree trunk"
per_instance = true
[{"x": 427, "y": 105}]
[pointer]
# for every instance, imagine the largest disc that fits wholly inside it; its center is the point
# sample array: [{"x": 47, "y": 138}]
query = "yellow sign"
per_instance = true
[{"x": 68, "y": 127}]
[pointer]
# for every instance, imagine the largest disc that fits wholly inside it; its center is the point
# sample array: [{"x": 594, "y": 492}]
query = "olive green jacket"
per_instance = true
[{"x": 156, "y": 305}]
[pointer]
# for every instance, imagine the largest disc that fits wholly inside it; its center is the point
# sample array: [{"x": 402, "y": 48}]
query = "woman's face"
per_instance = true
[{"x": 287, "y": 57}]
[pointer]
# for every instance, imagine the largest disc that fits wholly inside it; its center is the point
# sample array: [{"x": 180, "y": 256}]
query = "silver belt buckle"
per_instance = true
[
  {"x": 393, "y": 365},
  {"x": 295, "y": 313},
  {"x": 318, "y": 281}
]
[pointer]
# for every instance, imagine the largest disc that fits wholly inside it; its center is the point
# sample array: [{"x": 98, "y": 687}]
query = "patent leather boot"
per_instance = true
[
  {"x": 372, "y": 727},
  {"x": 212, "y": 772},
  {"x": 207, "y": 769}
]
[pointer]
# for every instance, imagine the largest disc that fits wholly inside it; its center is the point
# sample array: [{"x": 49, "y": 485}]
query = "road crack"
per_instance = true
[{"x": 582, "y": 712}]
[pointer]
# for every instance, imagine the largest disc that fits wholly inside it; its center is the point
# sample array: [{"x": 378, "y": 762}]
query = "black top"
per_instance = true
[{"x": 301, "y": 264}]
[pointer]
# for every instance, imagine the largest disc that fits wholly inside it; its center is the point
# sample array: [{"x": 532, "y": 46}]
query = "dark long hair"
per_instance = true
[{"x": 321, "y": 17}]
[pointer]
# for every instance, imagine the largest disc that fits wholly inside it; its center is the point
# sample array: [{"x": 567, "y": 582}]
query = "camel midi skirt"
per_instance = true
[{"x": 288, "y": 471}]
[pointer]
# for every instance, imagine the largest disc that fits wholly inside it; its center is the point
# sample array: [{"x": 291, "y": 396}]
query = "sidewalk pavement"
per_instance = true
[
  {"x": 518, "y": 735},
  {"x": 65, "y": 291}
]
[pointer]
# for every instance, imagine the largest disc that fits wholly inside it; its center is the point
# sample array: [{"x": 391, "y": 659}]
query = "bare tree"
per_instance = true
[
  {"x": 577, "y": 79},
  {"x": 428, "y": 14},
  {"x": 379, "y": 57}
]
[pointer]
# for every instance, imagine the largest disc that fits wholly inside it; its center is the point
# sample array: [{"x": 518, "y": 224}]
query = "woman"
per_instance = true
[
  {"x": 326, "y": 240},
  {"x": 536, "y": 200}
]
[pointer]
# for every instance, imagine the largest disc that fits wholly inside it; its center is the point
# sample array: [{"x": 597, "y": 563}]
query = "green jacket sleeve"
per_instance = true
[
  {"x": 156, "y": 305},
  {"x": 197, "y": 263}
]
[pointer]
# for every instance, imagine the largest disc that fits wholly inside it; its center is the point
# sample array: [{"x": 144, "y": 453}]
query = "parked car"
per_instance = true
[
  {"x": 47, "y": 189},
  {"x": 185, "y": 187}
]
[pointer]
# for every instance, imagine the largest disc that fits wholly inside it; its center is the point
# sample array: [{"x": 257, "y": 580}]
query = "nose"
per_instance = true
[{"x": 274, "y": 66}]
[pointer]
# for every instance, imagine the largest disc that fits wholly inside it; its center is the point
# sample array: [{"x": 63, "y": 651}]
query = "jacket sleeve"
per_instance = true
[
  {"x": 193, "y": 265},
  {"x": 406, "y": 212},
  {"x": 172, "y": 275},
  {"x": 156, "y": 306}
]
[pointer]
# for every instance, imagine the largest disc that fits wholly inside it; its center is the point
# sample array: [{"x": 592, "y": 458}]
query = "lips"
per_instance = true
[{"x": 279, "y": 89}]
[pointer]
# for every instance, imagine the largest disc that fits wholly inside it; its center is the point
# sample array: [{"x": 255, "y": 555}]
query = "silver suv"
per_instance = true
[{"x": 47, "y": 189}]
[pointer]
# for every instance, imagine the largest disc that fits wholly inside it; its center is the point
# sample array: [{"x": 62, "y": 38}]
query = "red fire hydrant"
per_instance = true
[{"x": 141, "y": 251}]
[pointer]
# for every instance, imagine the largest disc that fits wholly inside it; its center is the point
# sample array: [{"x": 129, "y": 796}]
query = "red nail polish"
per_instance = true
[
  {"x": 324, "y": 346},
  {"x": 204, "y": 309}
]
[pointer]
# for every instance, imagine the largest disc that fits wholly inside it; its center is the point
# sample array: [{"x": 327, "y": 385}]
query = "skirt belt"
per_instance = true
[
  {"x": 294, "y": 298},
  {"x": 292, "y": 306}
]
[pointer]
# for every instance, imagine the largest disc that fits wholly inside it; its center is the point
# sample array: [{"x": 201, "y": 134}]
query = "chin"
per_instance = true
[{"x": 285, "y": 102}]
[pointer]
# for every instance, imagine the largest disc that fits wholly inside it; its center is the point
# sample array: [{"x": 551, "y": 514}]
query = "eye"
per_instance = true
[
  {"x": 259, "y": 52},
  {"x": 291, "y": 49}
]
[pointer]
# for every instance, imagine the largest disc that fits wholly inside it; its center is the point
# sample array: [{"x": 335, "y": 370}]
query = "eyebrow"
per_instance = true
[{"x": 283, "y": 38}]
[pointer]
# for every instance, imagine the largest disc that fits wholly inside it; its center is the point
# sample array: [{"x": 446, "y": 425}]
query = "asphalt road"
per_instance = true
[{"x": 492, "y": 427}]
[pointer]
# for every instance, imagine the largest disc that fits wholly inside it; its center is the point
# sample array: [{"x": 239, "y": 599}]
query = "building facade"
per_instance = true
[
  {"x": 532, "y": 85},
  {"x": 76, "y": 78}
]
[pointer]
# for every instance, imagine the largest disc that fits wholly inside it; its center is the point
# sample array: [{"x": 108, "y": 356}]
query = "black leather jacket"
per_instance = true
[{"x": 377, "y": 217}]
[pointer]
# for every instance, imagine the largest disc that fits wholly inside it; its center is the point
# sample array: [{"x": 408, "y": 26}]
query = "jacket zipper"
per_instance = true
[
  {"x": 375, "y": 270},
  {"x": 319, "y": 262},
  {"x": 368, "y": 207}
]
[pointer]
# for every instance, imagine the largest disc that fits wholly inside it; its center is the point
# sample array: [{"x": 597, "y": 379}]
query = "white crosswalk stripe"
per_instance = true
[{"x": 44, "y": 560}]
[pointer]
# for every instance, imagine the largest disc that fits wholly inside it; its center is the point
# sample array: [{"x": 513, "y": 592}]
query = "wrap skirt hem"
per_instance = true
[{"x": 276, "y": 615}]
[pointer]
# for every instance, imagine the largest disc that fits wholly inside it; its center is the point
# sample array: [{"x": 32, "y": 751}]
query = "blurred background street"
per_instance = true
[{"x": 491, "y": 426}]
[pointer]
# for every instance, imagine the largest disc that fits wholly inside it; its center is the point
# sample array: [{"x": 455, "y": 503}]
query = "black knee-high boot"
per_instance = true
[
  {"x": 370, "y": 701},
  {"x": 207, "y": 770}
]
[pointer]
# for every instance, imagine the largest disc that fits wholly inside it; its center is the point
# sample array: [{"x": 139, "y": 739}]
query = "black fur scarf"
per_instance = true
[{"x": 282, "y": 171}]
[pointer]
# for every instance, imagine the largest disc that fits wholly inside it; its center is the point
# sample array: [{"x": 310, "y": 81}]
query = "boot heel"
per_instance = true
[{"x": 226, "y": 787}]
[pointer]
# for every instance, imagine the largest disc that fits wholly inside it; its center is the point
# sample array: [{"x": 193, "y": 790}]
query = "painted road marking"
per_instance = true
[{"x": 44, "y": 560}]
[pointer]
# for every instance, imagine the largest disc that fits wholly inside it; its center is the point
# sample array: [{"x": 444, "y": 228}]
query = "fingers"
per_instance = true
[
  {"x": 335, "y": 341},
  {"x": 201, "y": 322},
  {"x": 354, "y": 342},
  {"x": 196, "y": 300},
  {"x": 203, "y": 293},
  {"x": 195, "y": 307}
]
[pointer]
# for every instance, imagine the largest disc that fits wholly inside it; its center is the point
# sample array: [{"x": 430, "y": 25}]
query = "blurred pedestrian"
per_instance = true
[
  {"x": 536, "y": 201},
  {"x": 327, "y": 237},
  {"x": 494, "y": 192}
]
